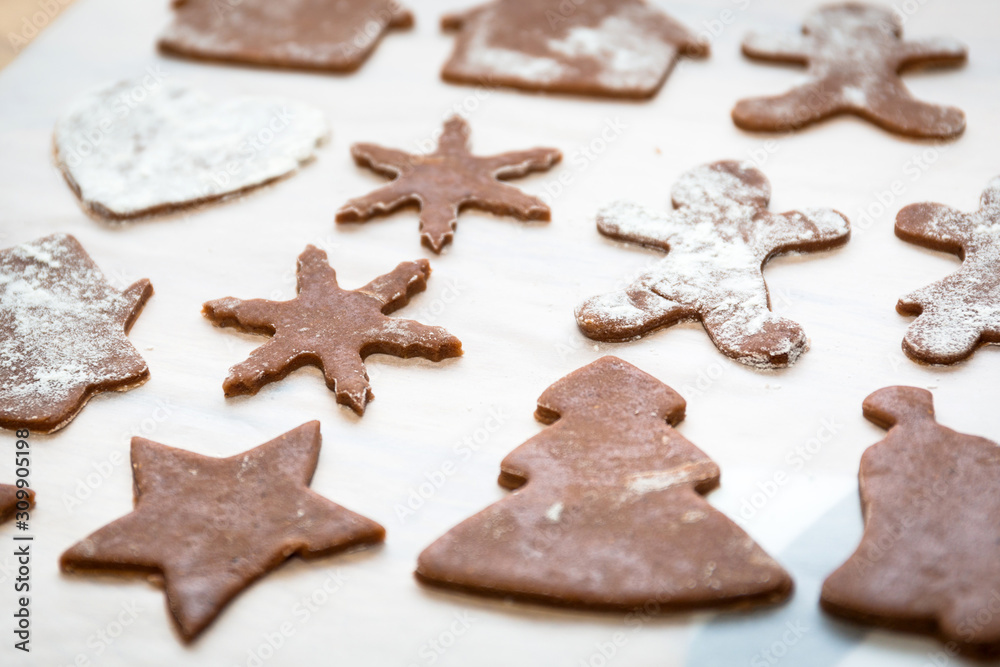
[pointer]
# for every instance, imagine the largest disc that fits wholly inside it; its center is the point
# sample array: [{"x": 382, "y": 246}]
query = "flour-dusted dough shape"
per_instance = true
[
  {"x": 331, "y": 35},
  {"x": 608, "y": 48},
  {"x": 63, "y": 333},
  {"x": 139, "y": 148},
  {"x": 855, "y": 54},
  {"x": 717, "y": 240},
  {"x": 959, "y": 313}
]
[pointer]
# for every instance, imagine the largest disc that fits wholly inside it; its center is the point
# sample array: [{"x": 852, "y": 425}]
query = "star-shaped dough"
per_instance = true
[
  {"x": 448, "y": 180},
  {"x": 9, "y": 500},
  {"x": 959, "y": 313},
  {"x": 62, "y": 333},
  {"x": 210, "y": 527},
  {"x": 855, "y": 53},
  {"x": 332, "y": 328}
]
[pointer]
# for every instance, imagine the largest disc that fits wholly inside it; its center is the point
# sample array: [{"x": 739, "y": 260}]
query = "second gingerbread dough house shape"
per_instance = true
[{"x": 612, "y": 48}]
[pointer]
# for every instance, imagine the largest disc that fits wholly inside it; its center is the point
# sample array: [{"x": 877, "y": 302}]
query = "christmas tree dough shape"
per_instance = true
[
  {"x": 928, "y": 560},
  {"x": 607, "y": 511},
  {"x": 63, "y": 333}
]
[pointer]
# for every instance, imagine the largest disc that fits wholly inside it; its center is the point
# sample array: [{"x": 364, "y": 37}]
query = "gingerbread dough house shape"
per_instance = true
[
  {"x": 614, "y": 48},
  {"x": 331, "y": 35},
  {"x": 928, "y": 559},
  {"x": 608, "y": 510}
]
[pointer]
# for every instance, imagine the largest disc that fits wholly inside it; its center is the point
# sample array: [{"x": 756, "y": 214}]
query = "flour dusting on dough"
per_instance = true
[
  {"x": 178, "y": 146},
  {"x": 963, "y": 309},
  {"x": 63, "y": 327},
  {"x": 717, "y": 240}
]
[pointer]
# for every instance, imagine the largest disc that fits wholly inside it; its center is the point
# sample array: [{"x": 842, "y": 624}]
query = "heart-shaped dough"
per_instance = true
[{"x": 139, "y": 148}]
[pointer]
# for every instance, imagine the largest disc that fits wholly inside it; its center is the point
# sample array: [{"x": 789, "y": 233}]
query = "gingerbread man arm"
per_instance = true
[
  {"x": 940, "y": 52},
  {"x": 802, "y": 231},
  {"x": 625, "y": 221},
  {"x": 782, "y": 48},
  {"x": 933, "y": 226}
]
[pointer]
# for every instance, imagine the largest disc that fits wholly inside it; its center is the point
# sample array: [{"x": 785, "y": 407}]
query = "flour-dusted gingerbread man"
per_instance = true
[
  {"x": 960, "y": 312},
  {"x": 854, "y": 53},
  {"x": 717, "y": 242},
  {"x": 928, "y": 559},
  {"x": 608, "y": 510}
]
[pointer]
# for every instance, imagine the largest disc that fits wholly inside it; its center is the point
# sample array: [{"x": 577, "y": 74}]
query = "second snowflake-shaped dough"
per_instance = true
[{"x": 332, "y": 328}]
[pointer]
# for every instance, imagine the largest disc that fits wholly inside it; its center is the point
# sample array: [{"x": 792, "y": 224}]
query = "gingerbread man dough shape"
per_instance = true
[
  {"x": 608, "y": 510},
  {"x": 854, "y": 53},
  {"x": 961, "y": 312},
  {"x": 928, "y": 559},
  {"x": 717, "y": 242}
]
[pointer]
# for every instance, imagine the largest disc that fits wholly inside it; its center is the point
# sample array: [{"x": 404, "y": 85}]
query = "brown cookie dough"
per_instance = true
[
  {"x": 928, "y": 559},
  {"x": 331, "y": 328},
  {"x": 446, "y": 181},
  {"x": 332, "y": 35},
  {"x": 210, "y": 527},
  {"x": 613, "y": 48},
  {"x": 961, "y": 312},
  {"x": 608, "y": 510},
  {"x": 854, "y": 53},
  {"x": 9, "y": 500},
  {"x": 718, "y": 239},
  {"x": 62, "y": 333}
]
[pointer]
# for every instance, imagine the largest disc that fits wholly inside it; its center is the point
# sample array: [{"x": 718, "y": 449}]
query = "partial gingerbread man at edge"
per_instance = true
[
  {"x": 448, "y": 180},
  {"x": 855, "y": 54},
  {"x": 717, "y": 241},
  {"x": 959, "y": 313}
]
